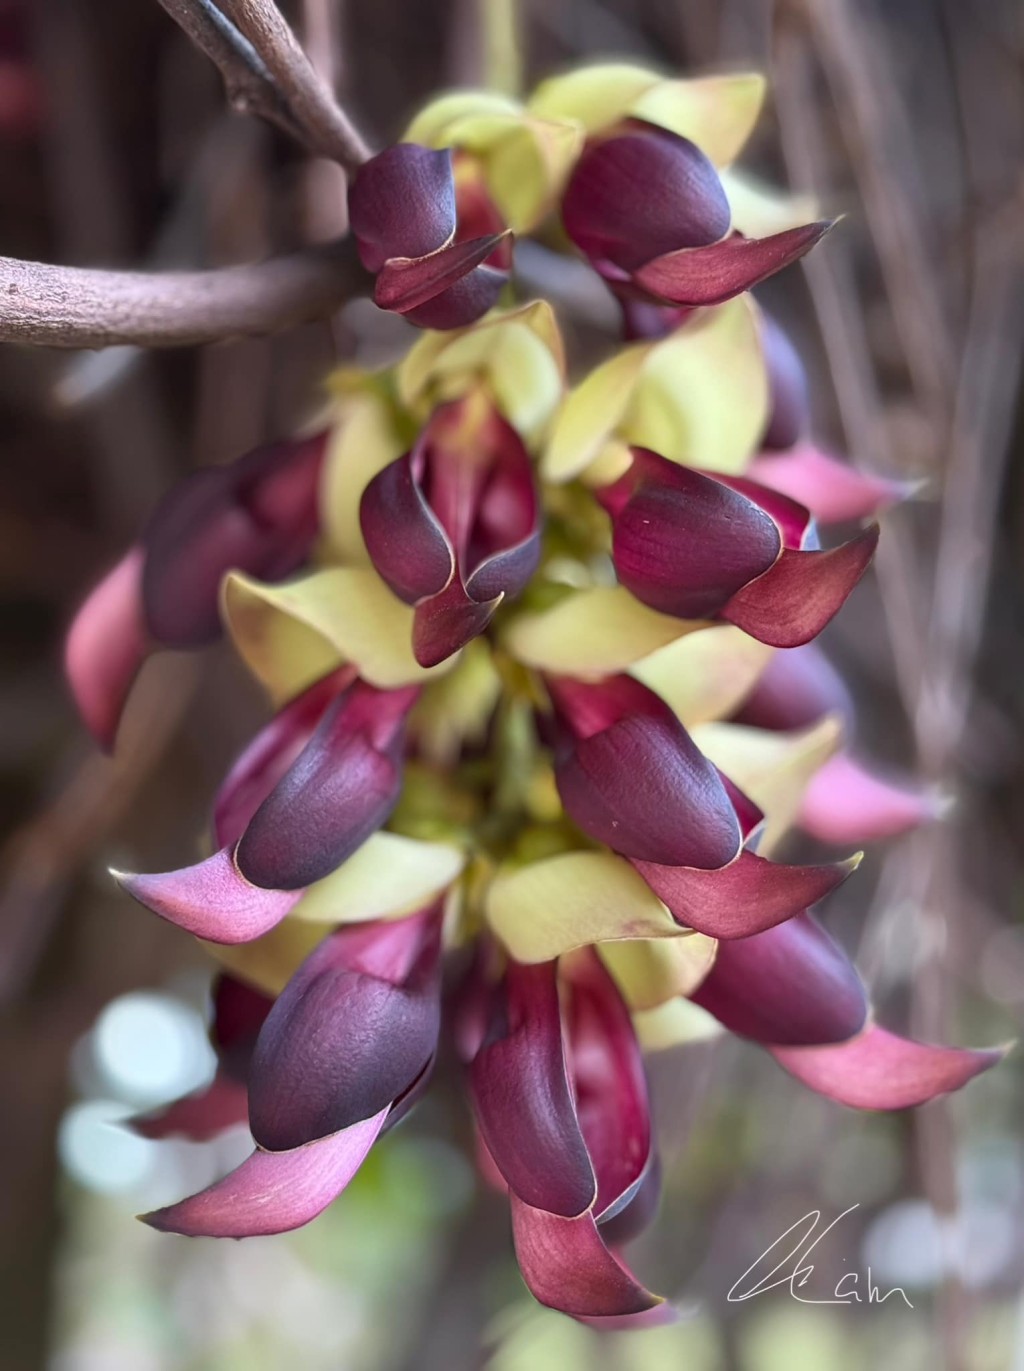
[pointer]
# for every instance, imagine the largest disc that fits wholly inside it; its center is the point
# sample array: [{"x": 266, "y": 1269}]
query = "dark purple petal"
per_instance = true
[
  {"x": 270, "y": 755},
  {"x": 463, "y": 302},
  {"x": 523, "y": 1100},
  {"x": 105, "y": 648},
  {"x": 794, "y": 519},
  {"x": 404, "y": 537},
  {"x": 643, "y": 193},
  {"x": 199, "y": 1117},
  {"x": 343, "y": 1041},
  {"x": 566, "y": 1265},
  {"x": 339, "y": 790},
  {"x": 684, "y": 543},
  {"x": 212, "y": 899},
  {"x": 846, "y": 803},
  {"x": 746, "y": 897},
  {"x": 794, "y": 600},
  {"x": 713, "y": 274},
  {"x": 624, "y": 1224},
  {"x": 879, "y": 1070},
  {"x": 273, "y": 1192},
  {"x": 833, "y": 491},
  {"x": 257, "y": 515},
  {"x": 506, "y": 572},
  {"x": 402, "y": 203},
  {"x": 610, "y": 1083},
  {"x": 404, "y": 284},
  {"x": 788, "y": 403},
  {"x": 797, "y": 688},
  {"x": 791, "y": 985},
  {"x": 447, "y": 622},
  {"x": 644, "y": 788}
]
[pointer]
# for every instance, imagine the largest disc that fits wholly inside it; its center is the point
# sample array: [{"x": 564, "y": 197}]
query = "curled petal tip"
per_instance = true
[
  {"x": 846, "y": 803},
  {"x": 834, "y": 491},
  {"x": 105, "y": 648},
  {"x": 211, "y": 900}
]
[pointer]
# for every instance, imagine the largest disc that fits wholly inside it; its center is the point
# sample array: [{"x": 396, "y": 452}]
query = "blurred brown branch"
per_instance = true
[{"x": 74, "y": 307}]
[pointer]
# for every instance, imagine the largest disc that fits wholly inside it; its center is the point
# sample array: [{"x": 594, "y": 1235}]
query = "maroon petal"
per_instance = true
[
  {"x": 404, "y": 284},
  {"x": 522, "y": 1098},
  {"x": 791, "y": 985},
  {"x": 798, "y": 687},
  {"x": 403, "y": 536},
  {"x": 846, "y": 803},
  {"x": 402, "y": 203},
  {"x": 589, "y": 707},
  {"x": 710, "y": 275},
  {"x": 105, "y": 648},
  {"x": 879, "y": 1070},
  {"x": 788, "y": 404},
  {"x": 447, "y": 622},
  {"x": 833, "y": 491},
  {"x": 639, "y": 1211},
  {"x": 794, "y": 600},
  {"x": 644, "y": 788},
  {"x": 794, "y": 520},
  {"x": 462, "y": 303},
  {"x": 343, "y": 1040},
  {"x": 643, "y": 193},
  {"x": 212, "y": 900},
  {"x": 746, "y": 897},
  {"x": 507, "y": 572},
  {"x": 273, "y": 1192},
  {"x": 271, "y": 754},
  {"x": 197, "y": 1117},
  {"x": 567, "y": 1266},
  {"x": 340, "y": 790},
  {"x": 239, "y": 1012},
  {"x": 684, "y": 543},
  {"x": 610, "y": 1083}
]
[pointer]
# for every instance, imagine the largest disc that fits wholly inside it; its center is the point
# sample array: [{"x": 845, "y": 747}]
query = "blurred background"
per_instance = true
[{"x": 116, "y": 149}]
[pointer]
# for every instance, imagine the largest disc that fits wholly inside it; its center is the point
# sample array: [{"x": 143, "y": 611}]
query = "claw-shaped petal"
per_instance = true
[{"x": 106, "y": 646}]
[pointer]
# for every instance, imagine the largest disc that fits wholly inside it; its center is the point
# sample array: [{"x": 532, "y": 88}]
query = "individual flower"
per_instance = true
[{"x": 698, "y": 546}]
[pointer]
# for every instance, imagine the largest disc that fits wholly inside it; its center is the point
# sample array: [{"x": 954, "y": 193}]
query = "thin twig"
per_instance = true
[
  {"x": 75, "y": 307},
  {"x": 326, "y": 128},
  {"x": 250, "y": 87}
]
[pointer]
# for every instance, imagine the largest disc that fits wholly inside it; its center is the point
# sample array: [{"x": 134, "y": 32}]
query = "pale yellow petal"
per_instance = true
[
  {"x": 759, "y": 210},
  {"x": 363, "y": 442},
  {"x": 593, "y": 412},
  {"x": 432, "y": 125},
  {"x": 649, "y": 973},
  {"x": 386, "y": 878},
  {"x": 291, "y": 634},
  {"x": 773, "y": 768},
  {"x": 674, "y": 1024},
  {"x": 269, "y": 962},
  {"x": 527, "y": 168},
  {"x": 591, "y": 633},
  {"x": 702, "y": 397},
  {"x": 718, "y": 113},
  {"x": 551, "y": 906},
  {"x": 707, "y": 675},
  {"x": 595, "y": 96}
]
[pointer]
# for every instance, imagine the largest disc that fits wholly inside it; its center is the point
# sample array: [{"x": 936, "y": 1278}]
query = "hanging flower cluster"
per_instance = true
[{"x": 546, "y": 698}]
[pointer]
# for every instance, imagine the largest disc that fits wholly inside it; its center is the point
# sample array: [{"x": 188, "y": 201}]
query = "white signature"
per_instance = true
[{"x": 796, "y": 1270}]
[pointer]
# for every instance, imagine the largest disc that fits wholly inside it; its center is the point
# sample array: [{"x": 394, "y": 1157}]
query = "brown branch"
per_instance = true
[
  {"x": 326, "y": 128},
  {"x": 74, "y": 307}
]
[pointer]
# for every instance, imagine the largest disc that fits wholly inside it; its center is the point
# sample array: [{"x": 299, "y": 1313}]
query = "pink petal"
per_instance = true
[
  {"x": 567, "y": 1266},
  {"x": 833, "y": 491},
  {"x": 199, "y": 1117},
  {"x": 794, "y": 600},
  {"x": 845, "y": 803},
  {"x": 106, "y": 646},
  {"x": 213, "y": 899},
  {"x": 879, "y": 1070},
  {"x": 746, "y": 897},
  {"x": 273, "y": 1192},
  {"x": 710, "y": 275}
]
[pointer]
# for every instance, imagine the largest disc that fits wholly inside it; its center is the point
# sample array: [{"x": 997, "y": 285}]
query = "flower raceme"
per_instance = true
[{"x": 544, "y": 704}]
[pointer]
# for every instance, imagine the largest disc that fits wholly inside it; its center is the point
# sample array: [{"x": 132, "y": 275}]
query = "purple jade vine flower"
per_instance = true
[
  {"x": 699, "y": 546},
  {"x": 320, "y": 1087},
  {"x": 453, "y": 527},
  {"x": 258, "y": 514},
  {"x": 320, "y": 779},
  {"x": 434, "y": 241},
  {"x": 560, "y": 1097},
  {"x": 646, "y": 206},
  {"x": 631, "y": 777}
]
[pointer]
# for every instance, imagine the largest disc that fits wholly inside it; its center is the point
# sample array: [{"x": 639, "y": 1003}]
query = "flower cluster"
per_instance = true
[{"x": 546, "y": 697}]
